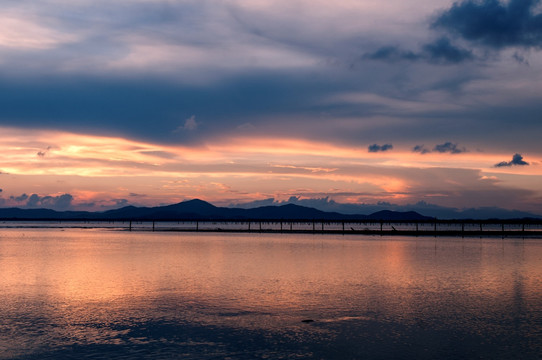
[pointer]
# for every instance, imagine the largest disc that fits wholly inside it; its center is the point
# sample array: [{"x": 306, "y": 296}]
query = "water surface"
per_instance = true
[{"x": 104, "y": 294}]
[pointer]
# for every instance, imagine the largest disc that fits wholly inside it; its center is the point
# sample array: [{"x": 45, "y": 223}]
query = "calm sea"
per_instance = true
[{"x": 110, "y": 294}]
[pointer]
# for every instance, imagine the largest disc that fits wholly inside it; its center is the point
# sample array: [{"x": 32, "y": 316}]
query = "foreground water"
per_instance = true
[{"x": 103, "y": 294}]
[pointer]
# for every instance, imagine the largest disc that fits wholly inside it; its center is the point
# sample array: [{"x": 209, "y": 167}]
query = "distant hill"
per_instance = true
[{"x": 200, "y": 210}]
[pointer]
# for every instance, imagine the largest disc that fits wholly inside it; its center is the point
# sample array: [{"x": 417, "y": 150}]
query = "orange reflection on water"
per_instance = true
[{"x": 314, "y": 274}]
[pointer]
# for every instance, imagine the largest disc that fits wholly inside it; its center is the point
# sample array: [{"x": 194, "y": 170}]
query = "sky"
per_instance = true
[{"x": 247, "y": 102}]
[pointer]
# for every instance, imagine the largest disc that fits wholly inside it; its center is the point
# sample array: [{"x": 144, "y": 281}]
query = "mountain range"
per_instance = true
[{"x": 200, "y": 210}]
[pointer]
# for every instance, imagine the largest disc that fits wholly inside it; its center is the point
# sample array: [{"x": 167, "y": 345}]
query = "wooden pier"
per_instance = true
[{"x": 462, "y": 228}]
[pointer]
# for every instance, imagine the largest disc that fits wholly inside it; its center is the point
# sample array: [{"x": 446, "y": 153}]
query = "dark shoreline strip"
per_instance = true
[{"x": 421, "y": 233}]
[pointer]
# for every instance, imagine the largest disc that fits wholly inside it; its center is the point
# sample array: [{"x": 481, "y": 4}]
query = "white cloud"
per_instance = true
[{"x": 190, "y": 124}]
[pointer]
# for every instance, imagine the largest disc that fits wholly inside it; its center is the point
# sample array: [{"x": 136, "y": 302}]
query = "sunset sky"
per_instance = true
[{"x": 148, "y": 102}]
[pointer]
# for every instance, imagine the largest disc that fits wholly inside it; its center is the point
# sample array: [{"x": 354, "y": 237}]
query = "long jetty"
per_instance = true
[
  {"x": 507, "y": 228},
  {"x": 464, "y": 228}
]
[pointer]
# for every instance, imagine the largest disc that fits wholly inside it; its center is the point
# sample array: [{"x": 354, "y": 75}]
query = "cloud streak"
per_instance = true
[
  {"x": 379, "y": 148},
  {"x": 440, "y": 51}
]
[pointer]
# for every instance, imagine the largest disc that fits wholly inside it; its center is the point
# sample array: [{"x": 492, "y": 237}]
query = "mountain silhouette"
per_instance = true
[{"x": 201, "y": 210}]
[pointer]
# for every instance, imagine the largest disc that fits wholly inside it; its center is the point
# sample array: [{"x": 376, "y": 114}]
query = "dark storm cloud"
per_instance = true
[
  {"x": 60, "y": 202},
  {"x": 440, "y": 51},
  {"x": 421, "y": 149},
  {"x": 377, "y": 148},
  {"x": 275, "y": 104},
  {"x": 494, "y": 23},
  {"x": 517, "y": 159},
  {"x": 449, "y": 147},
  {"x": 152, "y": 108},
  {"x": 491, "y": 23},
  {"x": 139, "y": 103},
  {"x": 23, "y": 197},
  {"x": 443, "y": 51},
  {"x": 392, "y": 53},
  {"x": 446, "y": 147}
]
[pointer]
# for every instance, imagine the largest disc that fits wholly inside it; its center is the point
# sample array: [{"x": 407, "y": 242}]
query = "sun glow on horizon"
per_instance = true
[{"x": 96, "y": 170}]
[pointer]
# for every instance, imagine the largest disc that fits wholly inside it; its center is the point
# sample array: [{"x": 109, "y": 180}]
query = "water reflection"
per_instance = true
[{"x": 111, "y": 294}]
